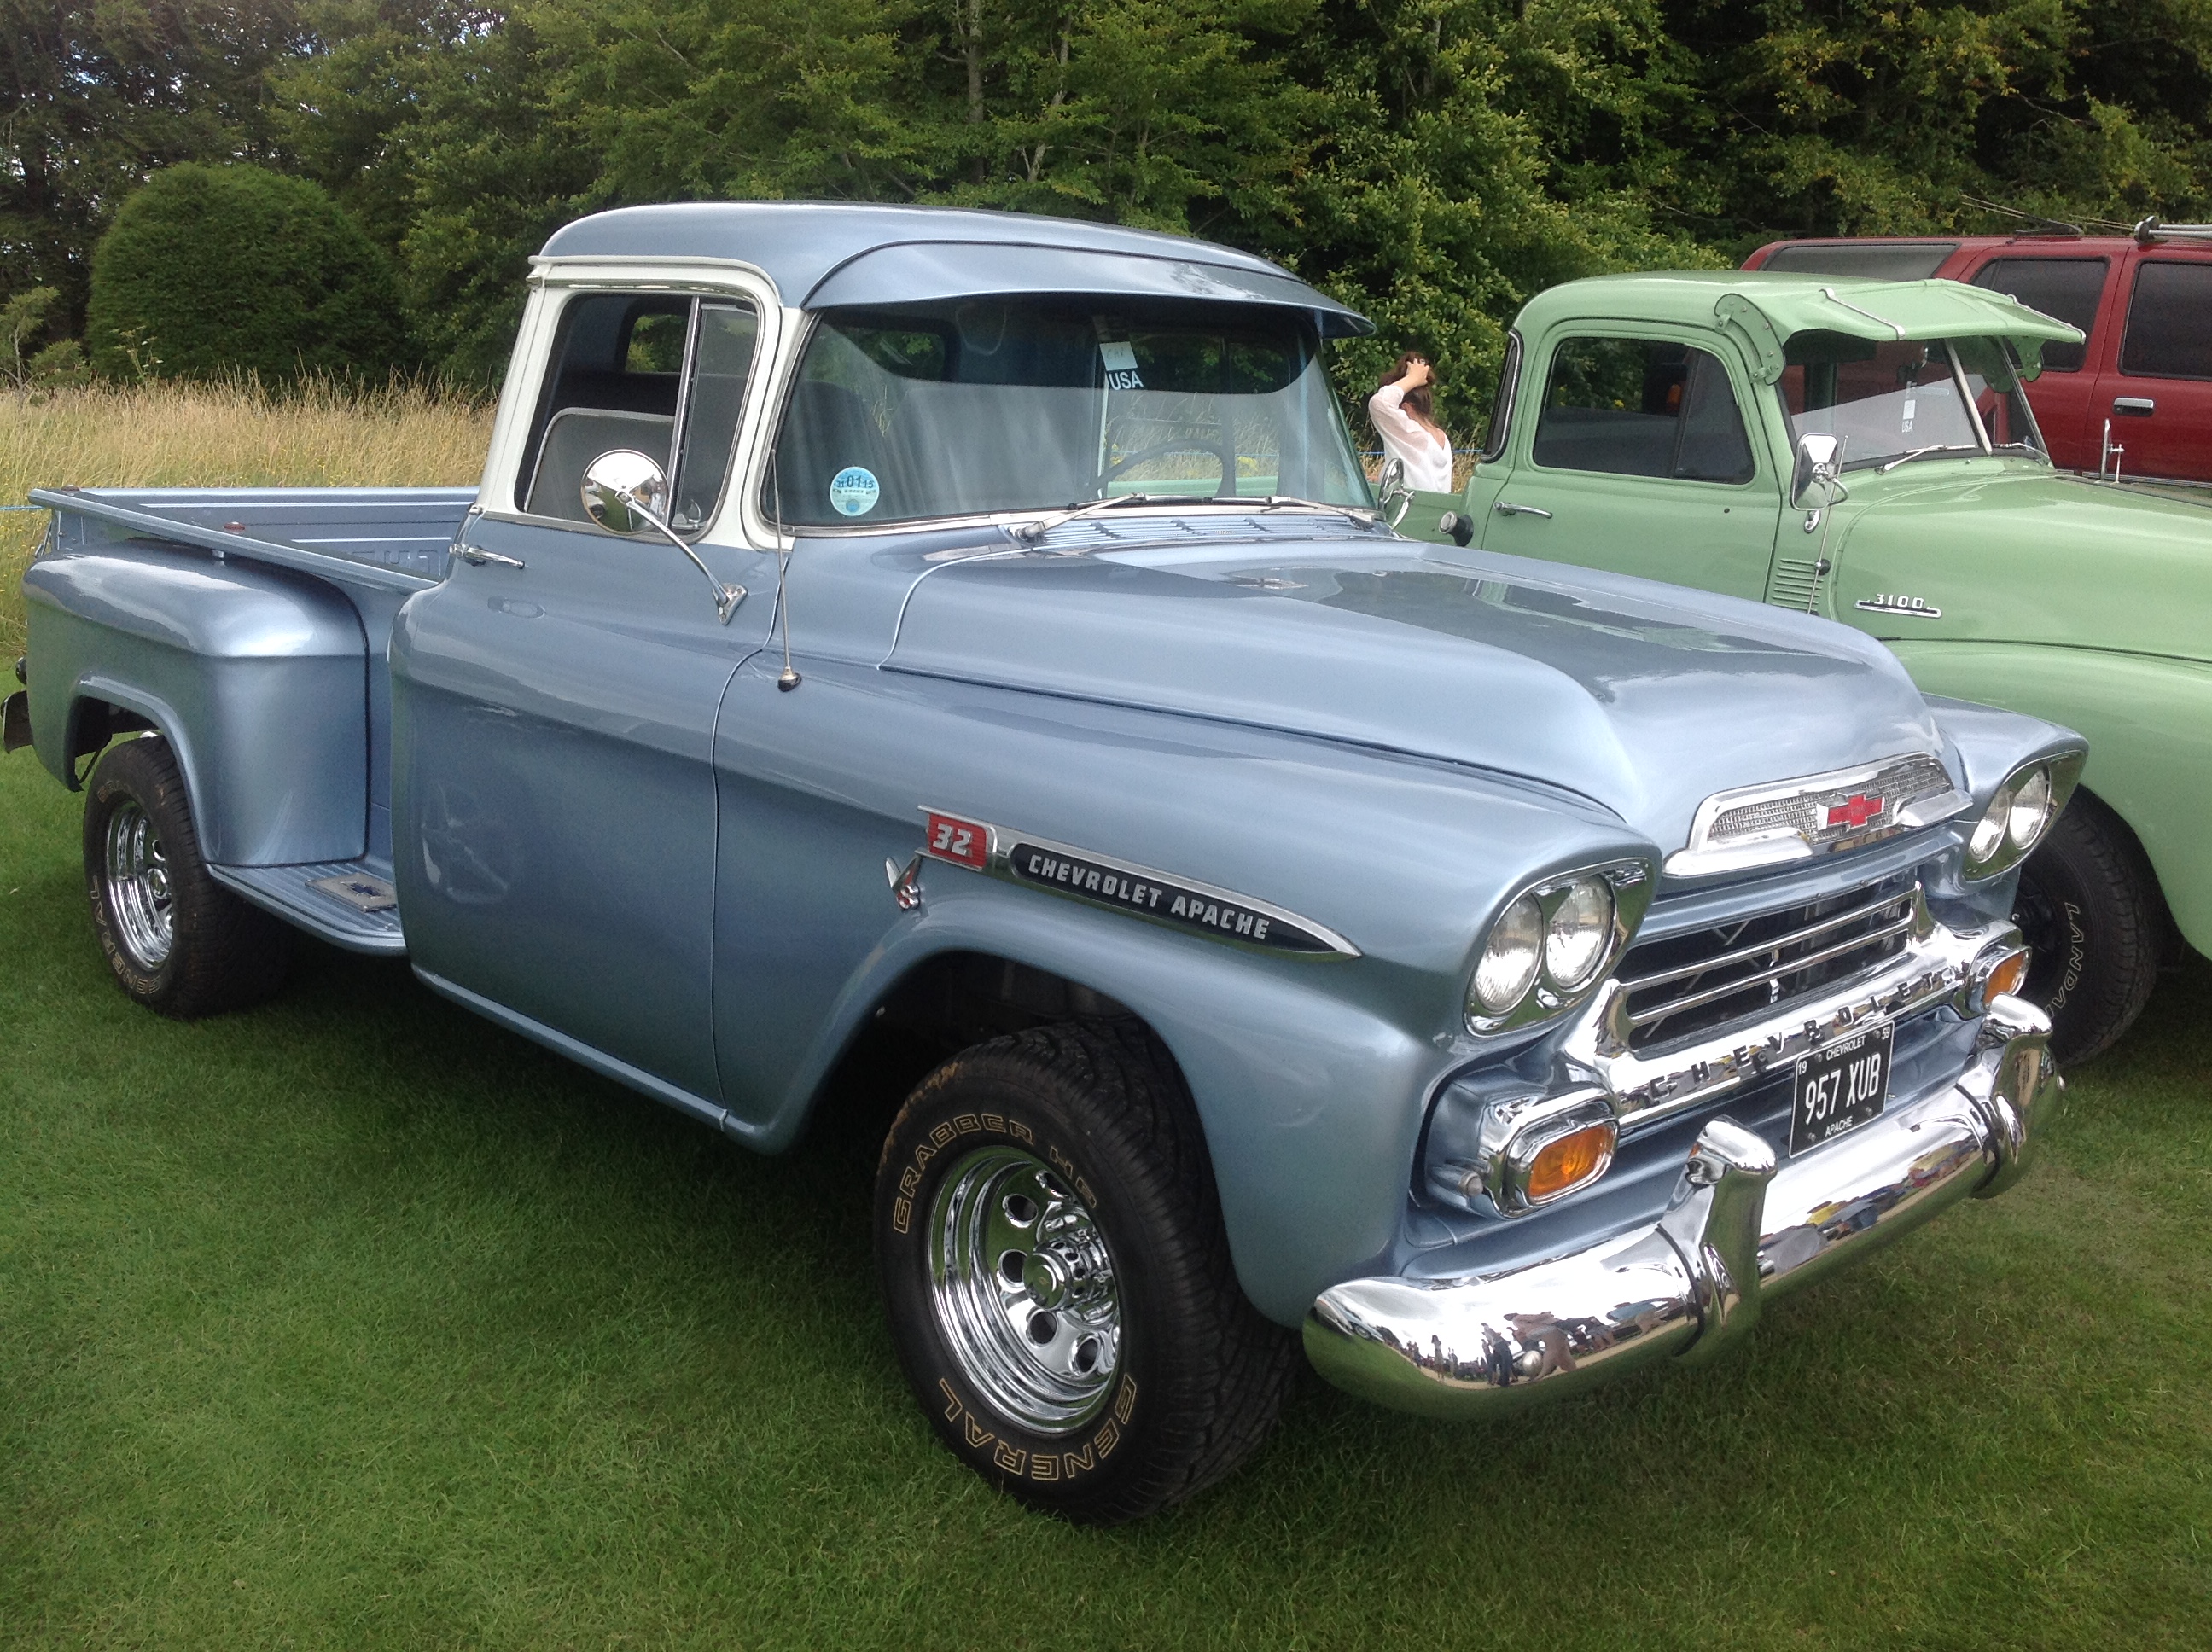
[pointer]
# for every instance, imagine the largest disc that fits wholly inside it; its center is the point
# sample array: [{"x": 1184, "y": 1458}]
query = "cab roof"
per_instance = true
[
  {"x": 822, "y": 254},
  {"x": 1769, "y": 309}
]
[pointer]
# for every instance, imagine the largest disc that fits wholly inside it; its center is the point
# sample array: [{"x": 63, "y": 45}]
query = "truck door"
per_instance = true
[
  {"x": 2160, "y": 394},
  {"x": 2065, "y": 397},
  {"x": 555, "y": 702},
  {"x": 1635, "y": 458}
]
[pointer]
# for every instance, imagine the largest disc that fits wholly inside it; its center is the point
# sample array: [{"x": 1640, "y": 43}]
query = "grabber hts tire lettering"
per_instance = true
[
  {"x": 175, "y": 940},
  {"x": 2092, "y": 914},
  {"x": 1058, "y": 1280}
]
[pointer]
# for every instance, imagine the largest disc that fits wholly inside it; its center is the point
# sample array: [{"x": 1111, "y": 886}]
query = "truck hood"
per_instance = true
[
  {"x": 2011, "y": 552},
  {"x": 1642, "y": 697}
]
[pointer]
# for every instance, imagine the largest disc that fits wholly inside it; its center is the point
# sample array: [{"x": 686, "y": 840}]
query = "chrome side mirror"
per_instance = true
[
  {"x": 1397, "y": 497},
  {"x": 625, "y": 492},
  {"x": 1820, "y": 459}
]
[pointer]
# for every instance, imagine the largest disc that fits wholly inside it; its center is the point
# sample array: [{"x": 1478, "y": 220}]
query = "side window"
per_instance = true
[
  {"x": 2068, "y": 288},
  {"x": 1641, "y": 407},
  {"x": 2170, "y": 321},
  {"x": 628, "y": 369},
  {"x": 1501, "y": 404}
]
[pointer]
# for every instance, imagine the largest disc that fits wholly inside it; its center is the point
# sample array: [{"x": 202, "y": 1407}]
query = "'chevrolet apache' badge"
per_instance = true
[{"x": 1199, "y": 909}]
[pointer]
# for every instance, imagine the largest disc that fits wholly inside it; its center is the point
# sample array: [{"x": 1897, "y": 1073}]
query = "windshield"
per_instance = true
[
  {"x": 962, "y": 410},
  {"x": 1889, "y": 400}
]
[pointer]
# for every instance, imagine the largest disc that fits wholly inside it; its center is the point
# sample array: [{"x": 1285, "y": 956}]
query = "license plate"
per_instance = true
[{"x": 1840, "y": 1087}]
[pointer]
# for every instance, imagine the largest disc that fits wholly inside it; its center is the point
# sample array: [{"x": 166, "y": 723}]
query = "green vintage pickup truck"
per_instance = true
[{"x": 1862, "y": 449}]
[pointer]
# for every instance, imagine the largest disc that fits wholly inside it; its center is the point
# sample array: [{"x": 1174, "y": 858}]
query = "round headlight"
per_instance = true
[
  {"x": 1575, "y": 940},
  {"x": 2030, "y": 812},
  {"x": 1509, "y": 958},
  {"x": 1990, "y": 831}
]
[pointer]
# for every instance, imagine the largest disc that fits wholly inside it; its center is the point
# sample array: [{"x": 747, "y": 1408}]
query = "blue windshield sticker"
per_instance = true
[
  {"x": 1120, "y": 360},
  {"x": 854, "y": 490}
]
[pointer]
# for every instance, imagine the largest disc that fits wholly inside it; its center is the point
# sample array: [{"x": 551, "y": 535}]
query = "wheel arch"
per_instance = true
[{"x": 1299, "y": 1086}]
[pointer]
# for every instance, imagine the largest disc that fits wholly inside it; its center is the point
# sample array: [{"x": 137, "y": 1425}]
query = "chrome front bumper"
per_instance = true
[{"x": 1690, "y": 1286}]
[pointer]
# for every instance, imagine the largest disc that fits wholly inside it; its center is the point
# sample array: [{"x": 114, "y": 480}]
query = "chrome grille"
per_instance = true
[{"x": 1706, "y": 980}]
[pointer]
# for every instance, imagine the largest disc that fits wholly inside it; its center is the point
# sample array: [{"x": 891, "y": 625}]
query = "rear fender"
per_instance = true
[{"x": 257, "y": 678}]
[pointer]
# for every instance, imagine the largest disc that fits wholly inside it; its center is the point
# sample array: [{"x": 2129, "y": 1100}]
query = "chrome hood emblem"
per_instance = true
[{"x": 1756, "y": 826}]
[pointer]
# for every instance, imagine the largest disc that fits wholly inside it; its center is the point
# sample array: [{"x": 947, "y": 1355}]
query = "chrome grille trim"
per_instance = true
[{"x": 1767, "y": 975}]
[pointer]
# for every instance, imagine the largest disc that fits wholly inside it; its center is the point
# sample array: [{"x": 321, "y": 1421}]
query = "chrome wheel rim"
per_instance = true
[
  {"x": 1023, "y": 1289},
  {"x": 139, "y": 898}
]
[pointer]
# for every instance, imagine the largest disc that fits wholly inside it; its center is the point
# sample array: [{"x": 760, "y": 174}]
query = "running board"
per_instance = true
[{"x": 349, "y": 904}]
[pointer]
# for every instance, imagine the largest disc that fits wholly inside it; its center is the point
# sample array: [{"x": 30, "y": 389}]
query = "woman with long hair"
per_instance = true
[{"x": 1405, "y": 415}]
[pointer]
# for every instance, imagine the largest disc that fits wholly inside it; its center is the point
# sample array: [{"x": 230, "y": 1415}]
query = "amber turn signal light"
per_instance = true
[
  {"x": 1572, "y": 1161},
  {"x": 2007, "y": 977}
]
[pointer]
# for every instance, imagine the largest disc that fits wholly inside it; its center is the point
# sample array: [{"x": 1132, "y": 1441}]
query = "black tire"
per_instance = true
[
  {"x": 2090, "y": 908},
  {"x": 1186, "y": 1378},
  {"x": 177, "y": 941}
]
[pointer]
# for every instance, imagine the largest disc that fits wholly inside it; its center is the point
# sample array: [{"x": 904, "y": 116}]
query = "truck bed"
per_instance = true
[
  {"x": 351, "y": 534},
  {"x": 374, "y": 547}
]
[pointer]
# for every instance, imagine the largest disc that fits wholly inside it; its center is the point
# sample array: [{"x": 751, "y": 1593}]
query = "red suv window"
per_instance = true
[
  {"x": 2068, "y": 288},
  {"x": 2170, "y": 323}
]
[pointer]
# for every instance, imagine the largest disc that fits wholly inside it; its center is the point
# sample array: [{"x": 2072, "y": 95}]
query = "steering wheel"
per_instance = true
[{"x": 1179, "y": 444}]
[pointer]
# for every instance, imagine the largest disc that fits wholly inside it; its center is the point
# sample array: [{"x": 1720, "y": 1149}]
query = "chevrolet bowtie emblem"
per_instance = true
[{"x": 1854, "y": 810}]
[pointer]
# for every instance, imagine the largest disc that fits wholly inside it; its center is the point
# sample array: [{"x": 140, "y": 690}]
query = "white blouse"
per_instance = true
[{"x": 1428, "y": 461}]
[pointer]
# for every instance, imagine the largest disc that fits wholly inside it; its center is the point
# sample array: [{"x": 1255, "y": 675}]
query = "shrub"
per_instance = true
[{"x": 213, "y": 271}]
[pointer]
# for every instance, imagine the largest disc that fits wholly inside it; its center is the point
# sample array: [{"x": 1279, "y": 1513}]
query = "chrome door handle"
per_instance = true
[
  {"x": 2141, "y": 406},
  {"x": 1505, "y": 508},
  {"x": 476, "y": 558}
]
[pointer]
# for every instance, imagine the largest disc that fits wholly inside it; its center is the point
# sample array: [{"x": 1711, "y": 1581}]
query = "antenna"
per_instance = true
[
  {"x": 2056, "y": 226},
  {"x": 789, "y": 679}
]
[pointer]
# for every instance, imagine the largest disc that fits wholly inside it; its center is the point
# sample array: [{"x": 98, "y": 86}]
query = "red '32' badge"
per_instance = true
[{"x": 950, "y": 838}]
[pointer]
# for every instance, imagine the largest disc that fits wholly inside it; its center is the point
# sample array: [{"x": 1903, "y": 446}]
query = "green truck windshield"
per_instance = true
[
  {"x": 969, "y": 408},
  {"x": 1889, "y": 400}
]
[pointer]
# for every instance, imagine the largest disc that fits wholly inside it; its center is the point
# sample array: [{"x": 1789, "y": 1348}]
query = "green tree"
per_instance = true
[
  {"x": 95, "y": 97},
  {"x": 211, "y": 270}
]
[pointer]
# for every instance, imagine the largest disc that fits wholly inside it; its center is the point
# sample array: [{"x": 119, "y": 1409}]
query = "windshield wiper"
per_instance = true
[{"x": 1922, "y": 452}]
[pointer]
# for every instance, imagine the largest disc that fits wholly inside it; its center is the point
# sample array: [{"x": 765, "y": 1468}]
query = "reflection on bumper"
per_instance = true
[{"x": 1691, "y": 1284}]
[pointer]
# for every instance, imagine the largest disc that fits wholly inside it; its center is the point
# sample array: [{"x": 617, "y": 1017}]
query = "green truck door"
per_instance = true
[{"x": 1638, "y": 460}]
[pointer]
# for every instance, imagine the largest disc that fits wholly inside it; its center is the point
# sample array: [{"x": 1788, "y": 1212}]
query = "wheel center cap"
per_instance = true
[{"x": 1045, "y": 1277}]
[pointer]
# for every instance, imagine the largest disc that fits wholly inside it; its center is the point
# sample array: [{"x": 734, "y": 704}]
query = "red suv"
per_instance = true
[{"x": 2142, "y": 383}]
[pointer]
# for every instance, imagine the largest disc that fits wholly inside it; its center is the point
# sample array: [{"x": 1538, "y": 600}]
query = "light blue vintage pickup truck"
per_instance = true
[{"x": 977, "y": 631}]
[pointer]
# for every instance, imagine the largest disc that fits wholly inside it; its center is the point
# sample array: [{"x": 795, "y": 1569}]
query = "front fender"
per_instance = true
[
  {"x": 1311, "y": 1075},
  {"x": 1311, "y": 1103},
  {"x": 2149, "y": 723}
]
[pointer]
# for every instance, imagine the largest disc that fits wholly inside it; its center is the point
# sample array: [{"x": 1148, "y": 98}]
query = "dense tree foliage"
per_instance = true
[
  {"x": 1432, "y": 161},
  {"x": 215, "y": 270}
]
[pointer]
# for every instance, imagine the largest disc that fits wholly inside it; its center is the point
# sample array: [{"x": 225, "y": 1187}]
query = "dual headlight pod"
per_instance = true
[
  {"x": 2020, "y": 813},
  {"x": 1552, "y": 943}
]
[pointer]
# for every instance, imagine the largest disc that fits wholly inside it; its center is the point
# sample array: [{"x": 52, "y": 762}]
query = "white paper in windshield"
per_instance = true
[{"x": 1120, "y": 361}]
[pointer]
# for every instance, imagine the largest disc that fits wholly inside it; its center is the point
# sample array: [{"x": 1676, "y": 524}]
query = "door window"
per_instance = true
[
  {"x": 628, "y": 369},
  {"x": 1641, "y": 407},
  {"x": 2170, "y": 322},
  {"x": 2068, "y": 288}
]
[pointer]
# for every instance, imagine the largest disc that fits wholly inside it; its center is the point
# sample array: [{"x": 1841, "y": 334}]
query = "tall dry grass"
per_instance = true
[{"x": 179, "y": 436}]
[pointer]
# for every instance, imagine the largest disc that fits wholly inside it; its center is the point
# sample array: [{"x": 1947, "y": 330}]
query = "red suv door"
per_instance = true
[
  {"x": 2071, "y": 285},
  {"x": 2158, "y": 389}
]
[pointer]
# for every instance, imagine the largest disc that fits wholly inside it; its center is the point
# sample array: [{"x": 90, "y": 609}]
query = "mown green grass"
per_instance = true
[{"x": 355, "y": 1320}]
